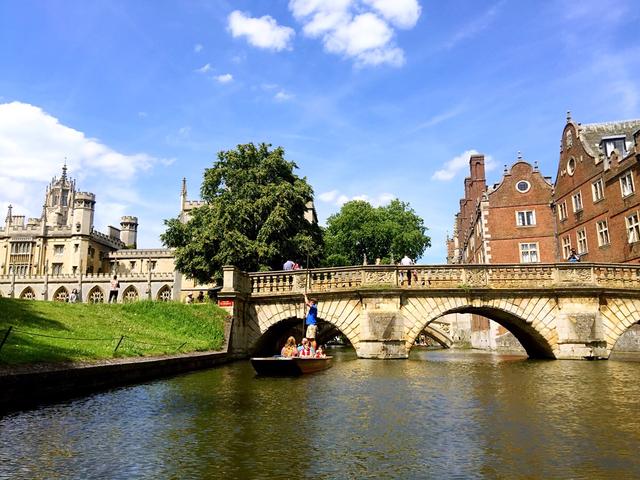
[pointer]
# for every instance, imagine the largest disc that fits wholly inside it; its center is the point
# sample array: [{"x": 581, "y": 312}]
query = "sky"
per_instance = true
[{"x": 372, "y": 99}]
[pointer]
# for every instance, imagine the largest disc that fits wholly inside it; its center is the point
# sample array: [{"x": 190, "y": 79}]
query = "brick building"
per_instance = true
[
  {"x": 509, "y": 222},
  {"x": 595, "y": 198}
]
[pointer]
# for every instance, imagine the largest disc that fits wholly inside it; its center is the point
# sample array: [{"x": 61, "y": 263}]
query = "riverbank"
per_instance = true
[{"x": 54, "y": 332}]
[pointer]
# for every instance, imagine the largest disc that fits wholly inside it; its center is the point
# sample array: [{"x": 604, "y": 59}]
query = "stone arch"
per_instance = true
[
  {"x": 96, "y": 295},
  {"x": 438, "y": 334},
  {"x": 530, "y": 320},
  {"x": 28, "y": 294},
  {"x": 618, "y": 316},
  {"x": 164, "y": 294},
  {"x": 342, "y": 314},
  {"x": 130, "y": 294},
  {"x": 61, "y": 295}
]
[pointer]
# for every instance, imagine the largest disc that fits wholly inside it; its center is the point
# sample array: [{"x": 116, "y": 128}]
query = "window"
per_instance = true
[
  {"x": 132, "y": 265},
  {"x": 582, "y": 241},
  {"x": 603, "y": 233},
  {"x": 562, "y": 211},
  {"x": 566, "y": 247},
  {"x": 523, "y": 186},
  {"x": 633, "y": 228},
  {"x": 609, "y": 143},
  {"x": 597, "y": 188},
  {"x": 153, "y": 265},
  {"x": 20, "y": 248},
  {"x": 75, "y": 247},
  {"x": 577, "y": 202},
  {"x": 58, "y": 250},
  {"x": 626, "y": 184},
  {"x": 56, "y": 269},
  {"x": 528, "y": 252},
  {"x": 571, "y": 166},
  {"x": 526, "y": 218}
]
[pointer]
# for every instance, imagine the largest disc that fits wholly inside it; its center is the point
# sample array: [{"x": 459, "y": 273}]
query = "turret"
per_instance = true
[
  {"x": 129, "y": 231},
  {"x": 83, "y": 209}
]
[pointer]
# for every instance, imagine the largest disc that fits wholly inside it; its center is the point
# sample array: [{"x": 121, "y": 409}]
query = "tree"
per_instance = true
[
  {"x": 387, "y": 232},
  {"x": 253, "y": 216}
]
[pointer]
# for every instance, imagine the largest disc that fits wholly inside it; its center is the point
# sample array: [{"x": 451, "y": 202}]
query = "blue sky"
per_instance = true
[{"x": 372, "y": 99}]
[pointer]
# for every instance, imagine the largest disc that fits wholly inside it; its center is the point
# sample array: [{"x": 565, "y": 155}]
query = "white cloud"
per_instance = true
[
  {"x": 204, "y": 69},
  {"x": 334, "y": 197},
  {"x": 283, "y": 96},
  {"x": 224, "y": 78},
  {"x": 402, "y": 13},
  {"x": 198, "y": 47},
  {"x": 33, "y": 148},
  {"x": 263, "y": 32},
  {"x": 358, "y": 29},
  {"x": 459, "y": 163}
]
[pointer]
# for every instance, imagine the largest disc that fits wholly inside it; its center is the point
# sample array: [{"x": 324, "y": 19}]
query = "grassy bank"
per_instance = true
[{"x": 54, "y": 332}]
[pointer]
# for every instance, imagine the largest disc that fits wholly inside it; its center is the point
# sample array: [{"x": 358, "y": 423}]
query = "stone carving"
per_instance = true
[
  {"x": 476, "y": 278},
  {"x": 379, "y": 278},
  {"x": 575, "y": 275}
]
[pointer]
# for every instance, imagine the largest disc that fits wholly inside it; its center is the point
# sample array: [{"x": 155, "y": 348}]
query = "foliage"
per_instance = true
[
  {"x": 53, "y": 331},
  {"x": 253, "y": 216},
  {"x": 388, "y": 232}
]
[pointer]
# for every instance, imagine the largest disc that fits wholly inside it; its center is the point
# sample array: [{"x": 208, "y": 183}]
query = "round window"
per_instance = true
[
  {"x": 571, "y": 166},
  {"x": 523, "y": 186}
]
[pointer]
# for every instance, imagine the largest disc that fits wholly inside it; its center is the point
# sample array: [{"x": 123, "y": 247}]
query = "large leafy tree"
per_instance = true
[
  {"x": 388, "y": 232},
  {"x": 253, "y": 216}
]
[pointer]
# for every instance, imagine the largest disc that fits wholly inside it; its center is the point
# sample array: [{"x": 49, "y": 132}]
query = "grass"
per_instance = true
[{"x": 92, "y": 331}]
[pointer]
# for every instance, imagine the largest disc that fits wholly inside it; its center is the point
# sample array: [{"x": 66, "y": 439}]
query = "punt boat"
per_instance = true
[{"x": 289, "y": 366}]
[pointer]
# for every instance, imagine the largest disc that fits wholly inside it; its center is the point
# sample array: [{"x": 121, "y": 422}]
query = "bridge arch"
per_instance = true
[
  {"x": 529, "y": 321},
  {"x": 618, "y": 316},
  {"x": 270, "y": 318}
]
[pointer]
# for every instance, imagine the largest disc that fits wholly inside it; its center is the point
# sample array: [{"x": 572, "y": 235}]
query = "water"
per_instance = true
[{"x": 441, "y": 414}]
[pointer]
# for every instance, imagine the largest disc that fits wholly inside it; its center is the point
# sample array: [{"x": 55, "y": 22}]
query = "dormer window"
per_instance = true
[{"x": 608, "y": 144}]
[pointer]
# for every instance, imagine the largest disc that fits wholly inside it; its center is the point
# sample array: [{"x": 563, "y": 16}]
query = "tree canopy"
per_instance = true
[
  {"x": 388, "y": 232},
  {"x": 253, "y": 216}
]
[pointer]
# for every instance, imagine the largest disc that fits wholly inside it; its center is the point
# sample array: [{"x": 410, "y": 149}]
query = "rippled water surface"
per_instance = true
[{"x": 441, "y": 414}]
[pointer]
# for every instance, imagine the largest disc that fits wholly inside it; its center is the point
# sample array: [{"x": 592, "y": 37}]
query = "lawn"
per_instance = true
[{"x": 54, "y": 331}]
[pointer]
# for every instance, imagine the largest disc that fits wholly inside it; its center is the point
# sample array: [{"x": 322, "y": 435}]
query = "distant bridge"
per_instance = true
[{"x": 563, "y": 311}]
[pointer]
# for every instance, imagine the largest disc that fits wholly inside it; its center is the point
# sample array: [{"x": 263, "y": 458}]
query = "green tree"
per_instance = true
[
  {"x": 387, "y": 232},
  {"x": 253, "y": 216}
]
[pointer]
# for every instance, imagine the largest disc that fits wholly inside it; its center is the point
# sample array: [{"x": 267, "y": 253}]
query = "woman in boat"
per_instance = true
[
  {"x": 320, "y": 353},
  {"x": 290, "y": 349}
]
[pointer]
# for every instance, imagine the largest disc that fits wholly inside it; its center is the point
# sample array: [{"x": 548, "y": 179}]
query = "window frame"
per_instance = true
[
  {"x": 602, "y": 231},
  {"x": 576, "y": 199},
  {"x": 566, "y": 246},
  {"x": 633, "y": 229},
  {"x": 529, "y": 248},
  {"x": 597, "y": 187},
  {"x": 632, "y": 187},
  {"x": 526, "y": 217},
  {"x": 581, "y": 241},
  {"x": 562, "y": 210}
]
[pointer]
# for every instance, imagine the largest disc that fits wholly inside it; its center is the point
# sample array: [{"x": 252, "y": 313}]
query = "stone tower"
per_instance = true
[
  {"x": 129, "y": 231},
  {"x": 83, "y": 209},
  {"x": 59, "y": 200}
]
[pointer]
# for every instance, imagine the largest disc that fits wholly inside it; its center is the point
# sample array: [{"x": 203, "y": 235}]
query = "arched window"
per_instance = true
[
  {"x": 164, "y": 294},
  {"x": 28, "y": 294},
  {"x": 96, "y": 295},
  {"x": 61, "y": 295},
  {"x": 130, "y": 294}
]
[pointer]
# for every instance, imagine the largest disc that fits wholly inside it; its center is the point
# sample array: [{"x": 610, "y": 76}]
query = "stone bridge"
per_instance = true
[{"x": 563, "y": 311}]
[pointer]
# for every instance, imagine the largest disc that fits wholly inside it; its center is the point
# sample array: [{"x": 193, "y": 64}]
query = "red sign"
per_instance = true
[{"x": 225, "y": 303}]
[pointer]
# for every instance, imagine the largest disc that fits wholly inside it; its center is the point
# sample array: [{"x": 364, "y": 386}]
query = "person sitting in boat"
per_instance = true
[
  {"x": 289, "y": 349},
  {"x": 306, "y": 350},
  {"x": 320, "y": 352}
]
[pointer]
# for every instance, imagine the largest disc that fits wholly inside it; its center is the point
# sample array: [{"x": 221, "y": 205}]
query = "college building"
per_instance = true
[{"x": 592, "y": 208}]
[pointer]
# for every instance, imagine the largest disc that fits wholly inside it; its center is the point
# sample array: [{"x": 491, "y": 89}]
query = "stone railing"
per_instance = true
[{"x": 465, "y": 277}]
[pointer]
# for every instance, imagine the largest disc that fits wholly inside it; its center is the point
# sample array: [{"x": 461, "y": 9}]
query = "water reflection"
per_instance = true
[{"x": 439, "y": 414}]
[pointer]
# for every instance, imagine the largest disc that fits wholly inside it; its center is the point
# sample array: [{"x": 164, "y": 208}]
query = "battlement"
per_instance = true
[
  {"x": 141, "y": 253},
  {"x": 129, "y": 219}
]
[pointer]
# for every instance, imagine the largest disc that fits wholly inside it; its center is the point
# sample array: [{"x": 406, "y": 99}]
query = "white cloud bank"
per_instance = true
[
  {"x": 33, "y": 147},
  {"x": 358, "y": 29},
  {"x": 334, "y": 197},
  {"x": 460, "y": 163},
  {"x": 263, "y": 32},
  {"x": 224, "y": 78}
]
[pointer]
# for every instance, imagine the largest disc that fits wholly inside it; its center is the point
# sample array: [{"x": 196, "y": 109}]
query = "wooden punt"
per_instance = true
[{"x": 287, "y": 366}]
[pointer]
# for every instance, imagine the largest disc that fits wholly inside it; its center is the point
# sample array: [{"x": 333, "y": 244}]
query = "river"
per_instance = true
[{"x": 440, "y": 414}]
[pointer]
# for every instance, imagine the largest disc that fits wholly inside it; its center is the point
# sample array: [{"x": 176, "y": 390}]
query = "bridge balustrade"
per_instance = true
[{"x": 493, "y": 276}]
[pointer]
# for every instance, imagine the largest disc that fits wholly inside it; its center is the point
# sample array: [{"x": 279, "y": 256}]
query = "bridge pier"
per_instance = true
[
  {"x": 382, "y": 327},
  {"x": 580, "y": 330}
]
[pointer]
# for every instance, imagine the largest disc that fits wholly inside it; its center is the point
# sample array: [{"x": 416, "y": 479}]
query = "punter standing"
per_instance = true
[{"x": 312, "y": 320}]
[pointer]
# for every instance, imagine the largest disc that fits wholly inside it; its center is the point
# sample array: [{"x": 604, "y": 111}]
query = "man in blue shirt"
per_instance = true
[
  {"x": 312, "y": 320},
  {"x": 288, "y": 265}
]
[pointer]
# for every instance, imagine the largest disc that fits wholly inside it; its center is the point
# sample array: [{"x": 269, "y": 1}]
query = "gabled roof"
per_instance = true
[{"x": 592, "y": 133}]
